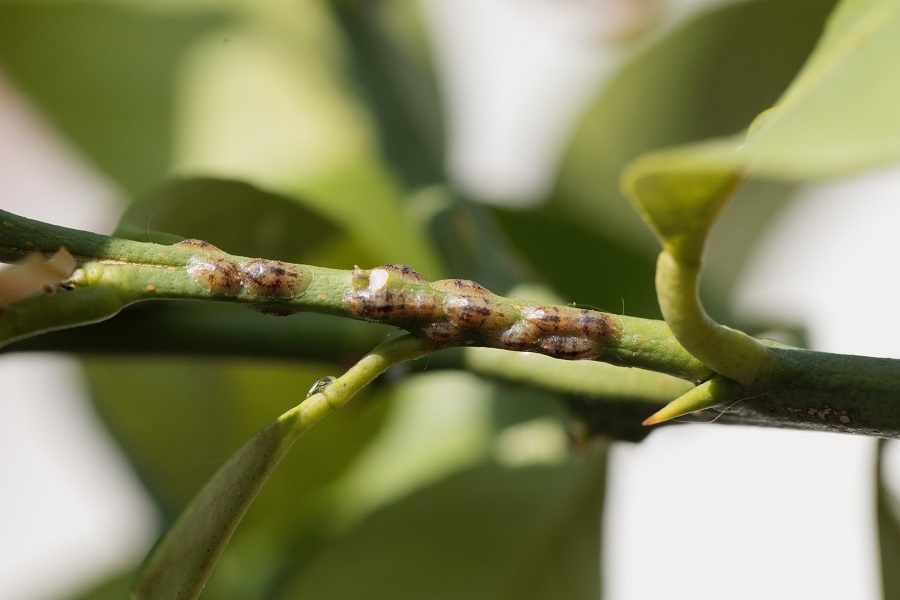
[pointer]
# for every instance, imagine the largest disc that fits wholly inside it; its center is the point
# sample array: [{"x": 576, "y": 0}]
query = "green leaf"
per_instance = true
[
  {"x": 620, "y": 277},
  {"x": 485, "y": 533},
  {"x": 888, "y": 513},
  {"x": 391, "y": 63},
  {"x": 709, "y": 77},
  {"x": 839, "y": 117},
  {"x": 104, "y": 75},
  {"x": 235, "y": 216},
  {"x": 213, "y": 330},
  {"x": 282, "y": 116},
  {"x": 470, "y": 239},
  {"x": 160, "y": 412},
  {"x": 181, "y": 562},
  {"x": 838, "y": 105},
  {"x": 114, "y": 588},
  {"x": 842, "y": 113}
]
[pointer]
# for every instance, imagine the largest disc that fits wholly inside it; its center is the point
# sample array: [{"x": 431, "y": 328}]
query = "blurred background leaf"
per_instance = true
[
  {"x": 115, "y": 588},
  {"x": 391, "y": 63},
  {"x": 888, "y": 517},
  {"x": 237, "y": 217},
  {"x": 709, "y": 76},
  {"x": 488, "y": 532},
  {"x": 177, "y": 421},
  {"x": 105, "y": 76},
  {"x": 281, "y": 112},
  {"x": 835, "y": 119}
]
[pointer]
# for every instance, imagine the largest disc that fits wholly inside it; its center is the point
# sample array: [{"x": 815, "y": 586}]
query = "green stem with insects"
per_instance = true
[
  {"x": 114, "y": 273},
  {"x": 800, "y": 388}
]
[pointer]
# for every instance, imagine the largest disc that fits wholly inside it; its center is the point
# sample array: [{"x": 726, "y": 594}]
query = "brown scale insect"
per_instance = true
[
  {"x": 377, "y": 295},
  {"x": 469, "y": 305},
  {"x": 198, "y": 246},
  {"x": 397, "y": 294},
  {"x": 383, "y": 305},
  {"x": 479, "y": 312},
  {"x": 569, "y": 347},
  {"x": 565, "y": 320},
  {"x": 547, "y": 319},
  {"x": 461, "y": 286},
  {"x": 442, "y": 333},
  {"x": 275, "y": 279},
  {"x": 522, "y": 336},
  {"x": 403, "y": 272},
  {"x": 595, "y": 325},
  {"x": 218, "y": 275}
]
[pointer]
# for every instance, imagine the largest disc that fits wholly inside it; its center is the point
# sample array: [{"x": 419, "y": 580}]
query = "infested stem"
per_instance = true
[
  {"x": 800, "y": 389},
  {"x": 114, "y": 273}
]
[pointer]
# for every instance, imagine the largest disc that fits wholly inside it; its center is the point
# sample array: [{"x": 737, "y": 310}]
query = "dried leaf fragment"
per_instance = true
[{"x": 33, "y": 273}]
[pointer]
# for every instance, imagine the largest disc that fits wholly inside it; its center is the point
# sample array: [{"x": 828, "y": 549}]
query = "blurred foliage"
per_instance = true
[
  {"x": 887, "y": 508},
  {"x": 488, "y": 532},
  {"x": 314, "y": 132},
  {"x": 105, "y": 76},
  {"x": 709, "y": 77}
]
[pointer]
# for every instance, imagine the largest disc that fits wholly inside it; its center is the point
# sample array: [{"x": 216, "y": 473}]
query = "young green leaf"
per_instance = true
[{"x": 840, "y": 116}]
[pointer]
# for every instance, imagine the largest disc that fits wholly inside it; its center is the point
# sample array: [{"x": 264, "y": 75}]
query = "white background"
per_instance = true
[{"x": 694, "y": 512}]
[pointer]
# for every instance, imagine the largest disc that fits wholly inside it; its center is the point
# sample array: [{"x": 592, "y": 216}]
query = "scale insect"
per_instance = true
[{"x": 453, "y": 312}]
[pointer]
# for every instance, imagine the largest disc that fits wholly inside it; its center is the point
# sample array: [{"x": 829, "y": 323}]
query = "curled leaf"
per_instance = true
[{"x": 839, "y": 117}]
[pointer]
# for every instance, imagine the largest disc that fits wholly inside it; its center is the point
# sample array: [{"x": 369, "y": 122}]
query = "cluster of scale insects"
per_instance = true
[
  {"x": 222, "y": 276},
  {"x": 453, "y": 312},
  {"x": 449, "y": 312}
]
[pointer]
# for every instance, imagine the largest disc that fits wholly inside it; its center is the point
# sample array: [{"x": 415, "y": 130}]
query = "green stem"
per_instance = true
[
  {"x": 726, "y": 351},
  {"x": 785, "y": 387},
  {"x": 114, "y": 273}
]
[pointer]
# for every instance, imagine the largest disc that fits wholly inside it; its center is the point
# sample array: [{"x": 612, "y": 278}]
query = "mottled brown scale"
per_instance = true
[
  {"x": 569, "y": 347},
  {"x": 442, "y": 333},
  {"x": 218, "y": 275},
  {"x": 461, "y": 286},
  {"x": 376, "y": 306},
  {"x": 564, "y": 320},
  {"x": 405, "y": 273},
  {"x": 198, "y": 246},
  {"x": 468, "y": 312},
  {"x": 483, "y": 313},
  {"x": 546, "y": 318},
  {"x": 392, "y": 305},
  {"x": 275, "y": 279},
  {"x": 377, "y": 295},
  {"x": 596, "y": 325},
  {"x": 522, "y": 336}
]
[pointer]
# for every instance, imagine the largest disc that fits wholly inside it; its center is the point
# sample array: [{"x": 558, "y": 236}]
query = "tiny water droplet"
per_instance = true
[{"x": 320, "y": 385}]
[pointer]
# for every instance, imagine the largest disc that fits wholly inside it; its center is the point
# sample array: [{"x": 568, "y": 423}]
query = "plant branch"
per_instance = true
[
  {"x": 801, "y": 389},
  {"x": 114, "y": 273}
]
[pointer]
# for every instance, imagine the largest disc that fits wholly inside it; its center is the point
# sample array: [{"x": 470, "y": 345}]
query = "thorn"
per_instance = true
[{"x": 706, "y": 395}]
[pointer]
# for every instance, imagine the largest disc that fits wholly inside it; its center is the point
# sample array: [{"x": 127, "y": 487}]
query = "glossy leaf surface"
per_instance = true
[{"x": 502, "y": 533}]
